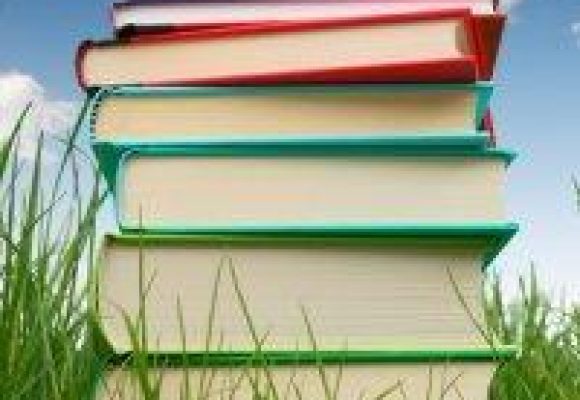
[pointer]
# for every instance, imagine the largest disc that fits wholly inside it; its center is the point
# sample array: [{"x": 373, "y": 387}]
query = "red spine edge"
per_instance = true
[
  {"x": 488, "y": 32},
  {"x": 488, "y": 125},
  {"x": 472, "y": 42},
  {"x": 440, "y": 71}
]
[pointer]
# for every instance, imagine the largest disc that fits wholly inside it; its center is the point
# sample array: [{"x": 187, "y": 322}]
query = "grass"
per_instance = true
[
  {"x": 48, "y": 236},
  {"x": 549, "y": 337},
  {"x": 44, "y": 353}
]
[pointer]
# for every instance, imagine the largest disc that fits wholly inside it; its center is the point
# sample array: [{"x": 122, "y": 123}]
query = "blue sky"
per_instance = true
[{"x": 537, "y": 109}]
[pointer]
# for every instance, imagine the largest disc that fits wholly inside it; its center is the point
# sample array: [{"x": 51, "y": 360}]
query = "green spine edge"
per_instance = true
[
  {"x": 496, "y": 235},
  {"x": 321, "y": 357}
]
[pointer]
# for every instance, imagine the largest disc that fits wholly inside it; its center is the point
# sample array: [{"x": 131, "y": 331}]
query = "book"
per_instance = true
[
  {"x": 387, "y": 288},
  {"x": 136, "y": 17},
  {"x": 411, "y": 375},
  {"x": 300, "y": 187},
  {"x": 418, "y": 47},
  {"x": 246, "y": 187},
  {"x": 488, "y": 126},
  {"x": 414, "y": 113}
]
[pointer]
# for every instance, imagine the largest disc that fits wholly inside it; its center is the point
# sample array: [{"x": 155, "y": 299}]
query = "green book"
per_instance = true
[
  {"x": 378, "y": 304},
  {"x": 391, "y": 287},
  {"x": 416, "y": 375}
]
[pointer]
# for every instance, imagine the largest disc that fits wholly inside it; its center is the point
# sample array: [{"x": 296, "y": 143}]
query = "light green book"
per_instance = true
[
  {"x": 403, "y": 375},
  {"x": 383, "y": 305},
  {"x": 387, "y": 287}
]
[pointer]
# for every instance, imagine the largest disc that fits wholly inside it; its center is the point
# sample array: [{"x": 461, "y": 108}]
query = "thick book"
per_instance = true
[
  {"x": 136, "y": 17},
  {"x": 407, "y": 375},
  {"x": 421, "y": 47},
  {"x": 418, "y": 114},
  {"x": 383, "y": 287},
  {"x": 204, "y": 187}
]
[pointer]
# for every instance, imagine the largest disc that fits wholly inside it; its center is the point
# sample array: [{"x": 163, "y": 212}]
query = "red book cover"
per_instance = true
[
  {"x": 138, "y": 16},
  {"x": 487, "y": 125},
  {"x": 483, "y": 33},
  {"x": 488, "y": 32}
]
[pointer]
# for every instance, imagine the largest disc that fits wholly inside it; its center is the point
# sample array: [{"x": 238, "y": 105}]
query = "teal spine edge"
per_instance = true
[{"x": 396, "y": 141}]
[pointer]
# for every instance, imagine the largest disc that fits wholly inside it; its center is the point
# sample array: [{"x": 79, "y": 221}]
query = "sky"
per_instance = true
[{"x": 536, "y": 107}]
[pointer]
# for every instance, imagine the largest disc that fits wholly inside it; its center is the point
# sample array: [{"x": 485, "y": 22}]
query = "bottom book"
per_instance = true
[{"x": 402, "y": 375}]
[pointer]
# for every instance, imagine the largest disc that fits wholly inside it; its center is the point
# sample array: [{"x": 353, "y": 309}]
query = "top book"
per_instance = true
[{"x": 156, "y": 15}]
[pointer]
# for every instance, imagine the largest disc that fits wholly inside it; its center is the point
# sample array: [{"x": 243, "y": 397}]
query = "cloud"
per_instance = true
[{"x": 53, "y": 117}]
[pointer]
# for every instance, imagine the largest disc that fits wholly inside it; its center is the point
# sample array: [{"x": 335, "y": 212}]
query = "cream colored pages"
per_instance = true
[
  {"x": 224, "y": 191},
  {"x": 162, "y": 14},
  {"x": 357, "y": 298},
  {"x": 417, "y": 381},
  {"x": 351, "y": 112},
  {"x": 186, "y": 60}
]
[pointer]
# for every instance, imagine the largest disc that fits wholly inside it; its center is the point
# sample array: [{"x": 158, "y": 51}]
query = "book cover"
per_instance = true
[
  {"x": 410, "y": 115},
  {"x": 248, "y": 187},
  {"x": 131, "y": 18},
  {"x": 430, "y": 47},
  {"x": 403, "y": 286},
  {"x": 457, "y": 375}
]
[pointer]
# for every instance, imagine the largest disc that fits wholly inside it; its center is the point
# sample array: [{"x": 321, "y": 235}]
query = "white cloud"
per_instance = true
[{"x": 53, "y": 117}]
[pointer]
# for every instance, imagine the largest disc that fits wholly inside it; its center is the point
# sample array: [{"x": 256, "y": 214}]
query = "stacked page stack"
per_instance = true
[{"x": 306, "y": 193}]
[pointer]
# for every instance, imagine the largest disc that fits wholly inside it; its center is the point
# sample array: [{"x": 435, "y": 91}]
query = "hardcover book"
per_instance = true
[
  {"x": 306, "y": 193},
  {"x": 383, "y": 287},
  {"x": 445, "y": 46},
  {"x": 136, "y": 17},
  {"x": 415, "y": 113},
  {"x": 216, "y": 187},
  {"x": 413, "y": 375}
]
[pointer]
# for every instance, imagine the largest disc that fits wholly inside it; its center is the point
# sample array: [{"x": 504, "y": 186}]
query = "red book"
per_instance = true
[
  {"x": 488, "y": 125},
  {"x": 155, "y": 16},
  {"x": 438, "y": 46}
]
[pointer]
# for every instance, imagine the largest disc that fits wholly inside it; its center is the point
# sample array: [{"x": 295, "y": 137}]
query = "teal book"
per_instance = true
[
  {"x": 408, "y": 115},
  {"x": 228, "y": 188}
]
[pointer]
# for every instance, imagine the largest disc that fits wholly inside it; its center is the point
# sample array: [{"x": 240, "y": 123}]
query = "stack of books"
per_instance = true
[{"x": 306, "y": 192}]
